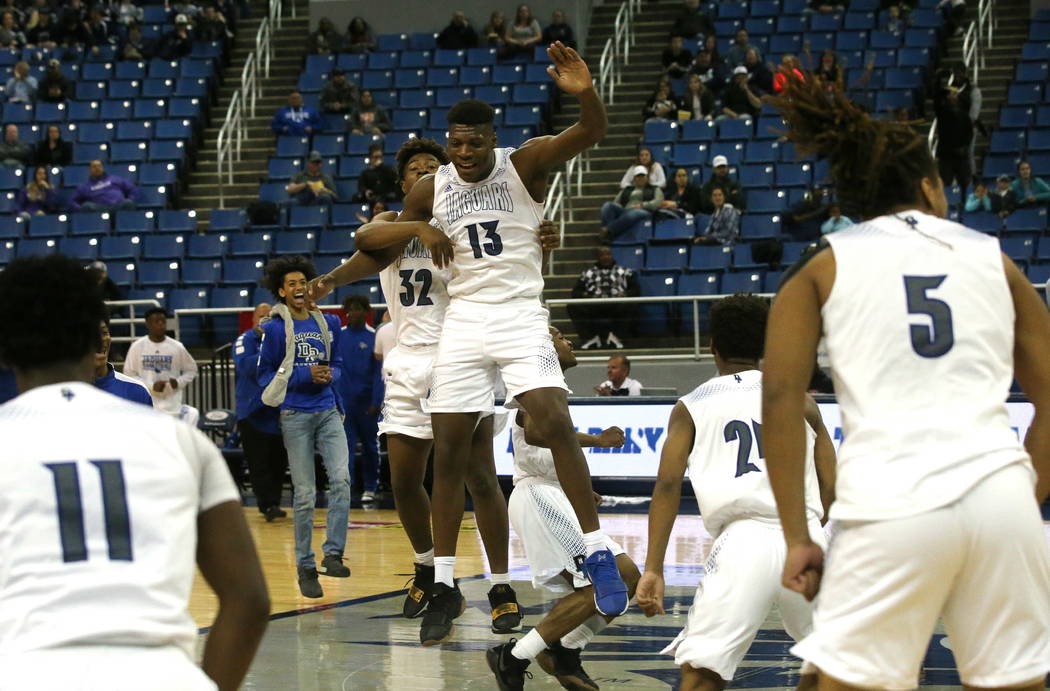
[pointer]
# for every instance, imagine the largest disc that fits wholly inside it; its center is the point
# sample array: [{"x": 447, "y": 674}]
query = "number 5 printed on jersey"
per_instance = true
[
  {"x": 493, "y": 244},
  {"x": 934, "y": 340}
]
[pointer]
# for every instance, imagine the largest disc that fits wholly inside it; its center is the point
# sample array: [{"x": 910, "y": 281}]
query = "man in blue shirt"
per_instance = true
[
  {"x": 112, "y": 381},
  {"x": 295, "y": 118},
  {"x": 299, "y": 363},
  {"x": 257, "y": 423},
  {"x": 361, "y": 389}
]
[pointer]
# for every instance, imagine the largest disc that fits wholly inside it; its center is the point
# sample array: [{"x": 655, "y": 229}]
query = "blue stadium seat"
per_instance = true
[
  {"x": 229, "y": 220},
  {"x": 1022, "y": 220},
  {"x": 757, "y": 226},
  {"x": 283, "y": 168},
  {"x": 859, "y": 21},
  {"x": 697, "y": 131},
  {"x": 1007, "y": 142},
  {"x": 129, "y": 152},
  {"x": 508, "y": 74},
  {"x": 657, "y": 132},
  {"x": 391, "y": 42},
  {"x": 481, "y": 56},
  {"x": 1020, "y": 248},
  {"x": 337, "y": 241},
  {"x": 449, "y": 58},
  {"x": 48, "y": 226},
  {"x": 345, "y": 215},
  {"x": 163, "y": 247},
  {"x": 50, "y": 112},
  {"x": 90, "y": 91},
  {"x": 86, "y": 153},
  {"x": 655, "y": 317},
  {"x": 154, "y": 174},
  {"x": 201, "y": 246},
  {"x": 202, "y": 272},
  {"x": 394, "y": 140},
  {"x": 760, "y": 26},
  {"x": 918, "y": 38},
  {"x": 90, "y": 223},
  {"x": 1003, "y": 164},
  {"x": 756, "y": 175},
  {"x": 187, "y": 298},
  {"x": 767, "y": 201},
  {"x": 762, "y": 152},
  {"x": 531, "y": 93},
  {"x": 163, "y": 69},
  {"x": 242, "y": 271},
  {"x": 122, "y": 273},
  {"x": 667, "y": 256},
  {"x": 422, "y": 41},
  {"x": 295, "y": 242},
  {"x": 134, "y": 129},
  {"x": 794, "y": 175},
  {"x": 120, "y": 247},
  {"x": 250, "y": 244},
  {"x": 1016, "y": 117},
  {"x": 639, "y": 232},
  {"x": 80, "y": 111},
  {"x": 710, "y": 257},
  {"x": 417, "y": 98},
  {"x": 83, "y": 248},
  {"x": 1024, "y": 94},
  {"x": 689, "y": 155},
  {"x": 352, "y": 166},
  {"x": 734, "y": 129},
  {"x": 177, "y": 221},
  {"x": 1039, "y": 140},
  {"x": 437, "y": 77},
  {"x": 114, "y": 110},
  {"x": 520, "y": 116},
  {"x": 184, "y": 107},
  {"x": 742, "y": 282},
  {"x": 152, "y": 197},
  {"x": 415, "y": 59},
  {"x": 448, "y": 96},
  {"x": 351, "y": 62},
  {"x": 475, "y": 76},
  {"x": 314, "y": 217},
  {"x": 129, "y": 222},
  {"x": 629, "y": 256},
  {"x": 11, "y": 227},
  {"x": 1026, "y": 72},
  {"x": 158, "y": 272},
  {"x": 35, "y": 247},
  {"x": 983, "y": 221},
  {"x": 696, "y": 283},
  {"x": 12, "y": 178},
  {"x": 230, "y": 297},
  {"x": 409, "y": 79},
  {"x": 409, "y": 119},
  {"x": 673, "y": 229}
]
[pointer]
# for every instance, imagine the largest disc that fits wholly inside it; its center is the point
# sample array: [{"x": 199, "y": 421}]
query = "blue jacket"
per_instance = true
[
  {"x": 294, "y": 121},
  {"x": 249, "y": 394},
  {"x": 8, "y": 390},
  {"x": 362, "y": 382},
  {"x": 303, "y": 394},
  {"x": 124, "y": 387}
]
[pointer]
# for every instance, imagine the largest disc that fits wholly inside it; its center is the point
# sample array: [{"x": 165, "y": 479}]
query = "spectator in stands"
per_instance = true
[
  {"x": 459, "y": 34},
  {"x": 361, "y": 390},
  {"x": 681, "y": 196},
  {"x": 313, "y": 186},
  {"x": 53, "y": 150},
  {"x": 21, "y": 87},
  {"x": 789, "y": 65},
  {"x": 692, "y": 21},
  {"x": 211, "y": 26},
  {"x": 619, "y": 382},
  {"x": 295, "y": 118},
  {"x": 632, "y": 204},
  {"x": 720, "y": 178},
  {"x": 1029, "y": 190},
  {"x": 760, "y": 77},
  {"x": 368, "y": 117},
  {"x": 559, "y": 30},
  {"x": 606, "y": 279},
  {"x": 979, "y": 199},
  {"x": 723, "y": 228},
  {"x": 495, "y": 32},
  {"x": 13, "y": 151},
  {"x": 187, "y": 7},
  {"x": 828, "y": 70},
  {"x": 72, "y": 30},
  {"x": 954, "y": 13},
  {"x": 698, "y": 100},
  {"x": 803, "y": 219},
  {"x": 325, "y": 40},
  {"x": 136, "y": 47},
  {"x": 74, "y": 10},
  {"x": 110, "y": 290},
  {"x": 738, "y": 50},
  {"x": 524, "y": 33},
  {"x": 176, "y": 43},
  {"x": 103, "y": 192},
  {"x": 164, "y": 366},
  {"x": 259, "y": 424},
  {"x": 895, "y": 21},
  {"x": 374, "y": 210},
  {"x": 739, "y": 101},
  {"x": 711, "y": 46},
  {"x": 128, "y": 13},
  {"x": 654, "y": 170},
  {"x": 10, "y": 6},
  {"x": 824, "y": 7},
  {"x": 11, "y": 35},
  {"x": 359, "y": 37},
  {"x": 836, "y": 221},
  {"x": 662, "y": 106},
  {"x": 43, "y": 31},
  {"x": 38, "y": 197},
  {"x": 98, "y": 28},
  {"x": 1004, "y": 200},
  {"x": 713, "y": 75},
  {"x": 954, "y": 134},
  {"x": 676, "y": 59},
  {"x": 339, "y": 95},
  {"x": 378, "y": 182}
]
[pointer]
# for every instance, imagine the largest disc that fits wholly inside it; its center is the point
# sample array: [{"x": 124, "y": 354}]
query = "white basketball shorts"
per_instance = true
[
  {"x": 981, "y": 563},
  {"x": 550, "y": 532},
  {"x": 481, "y": 340},
  {"x": 103, "y": 668},
  {"x": 740, "y": 585},
  {"x": 406, "y": 376}
]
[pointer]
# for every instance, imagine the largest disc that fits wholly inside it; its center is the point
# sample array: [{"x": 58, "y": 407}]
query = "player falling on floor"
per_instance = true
[
  {"x": 937, "y": 505},
  {"x": 545, "y": 522},
  {"x": 106, "y": 507},
  {"x": 487, "y": 202},
  {"x": 716, "y": 433}
]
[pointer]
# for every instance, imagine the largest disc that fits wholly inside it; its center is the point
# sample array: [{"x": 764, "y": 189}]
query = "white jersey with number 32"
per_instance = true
[
  {"x": 493, "y": 225},
  {"x": 416, "y": 295},
  {"x": 920, "y": 336},
  {"x": 726, "y": 465}
]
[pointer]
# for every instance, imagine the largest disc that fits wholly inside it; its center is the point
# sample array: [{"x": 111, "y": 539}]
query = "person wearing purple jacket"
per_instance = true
[
  {"x": 37, "y": 197},
  {"x": 103, "y": 192},
  {"x": 295, "y": 118}
]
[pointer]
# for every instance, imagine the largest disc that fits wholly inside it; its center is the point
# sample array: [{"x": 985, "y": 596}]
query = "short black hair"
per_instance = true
[
  {"x": 155, "y": 310},
  {"x": 356, "y": 299},
  {"x": 738, "y": 326},
  {"x": 36, "y": 290},
  {"x": 471, "y": 111},
  {"x": 415, "y": 146},
  {"x": 279, "y": 267},
  {"x": 374, "y": 147}
]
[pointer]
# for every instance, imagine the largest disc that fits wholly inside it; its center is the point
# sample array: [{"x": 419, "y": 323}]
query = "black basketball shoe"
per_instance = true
[
  {"x": 418, "y": 592},
  {"x": 506, "y": 614},
  {"x": 510, "y": 671},
  {"x": 564, "y": 665},
  {"x": 445, "y": 605}
]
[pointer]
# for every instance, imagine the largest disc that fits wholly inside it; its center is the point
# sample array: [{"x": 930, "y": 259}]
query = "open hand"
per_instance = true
[
  {"x": 803, "y": 569},
  {"x": 320, "y": 287},
  {"x": 611, "y": 438},
  {"x": 441, "y": 249},
  {"x": 650, "y": 593},
  {"x": 321, "y": 374},
  {"x": 569, "y": 71}
]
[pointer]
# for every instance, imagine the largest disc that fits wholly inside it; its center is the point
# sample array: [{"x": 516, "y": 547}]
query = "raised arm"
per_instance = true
[{"x": 823, "y": 456}]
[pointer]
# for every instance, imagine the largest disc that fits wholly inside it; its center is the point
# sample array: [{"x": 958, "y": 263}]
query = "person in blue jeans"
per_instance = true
[
  {"x": 361, "y": 390},
  {"x": 632, "y": 204},
  {"x": 299, "y": 364}
]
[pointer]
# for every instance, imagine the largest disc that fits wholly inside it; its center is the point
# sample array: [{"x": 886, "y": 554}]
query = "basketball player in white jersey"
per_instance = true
[
  {"x": 545, "y": 522},
  {"x": 937, "y": 503},
  {"x": 716, "y": 433},
  {"x": 487, "y": 203},
  {"x": 105, "y": 508}
]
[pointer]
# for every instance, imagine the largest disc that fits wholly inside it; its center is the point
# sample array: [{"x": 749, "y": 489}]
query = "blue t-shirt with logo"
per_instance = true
[{"x": 303, "y": 394}]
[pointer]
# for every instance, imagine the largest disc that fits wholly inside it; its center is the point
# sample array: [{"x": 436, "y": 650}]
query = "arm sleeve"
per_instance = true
[
  {"x": 132, "y": 361},
  {"x": 972, "y": 203},
  {"x": 635, "y": 388},
  {"x": 657, "y": 176},
  {"x": 315, "y": 119},
  {"x": 1042, "y": 190},
  {"x": 654, "y": 203},
  {"x": 626, "y": 181},
  {"x": 277, "y": 124},
  {"x": 188, "y": 366},
  {"x": 142, "y": 396}
]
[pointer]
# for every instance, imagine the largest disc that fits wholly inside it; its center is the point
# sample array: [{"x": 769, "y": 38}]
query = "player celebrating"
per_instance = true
[
  {"x": 936, "y": 507},
  {"x": 105, "y": 503},
  {"x": 716, "y": 432},
  {"x": 486, "y": 202},
  {"x": 547, "y": 526}
]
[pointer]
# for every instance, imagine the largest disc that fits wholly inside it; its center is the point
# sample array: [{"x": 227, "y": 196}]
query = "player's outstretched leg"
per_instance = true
[
  {"x": 490, "y": 510},
  {"x": 549, "y": 410},
  {"x": 408, "y": 462}
]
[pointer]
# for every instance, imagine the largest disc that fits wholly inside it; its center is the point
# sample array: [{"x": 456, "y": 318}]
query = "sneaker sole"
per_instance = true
[
  {"x": 567, "y": 681},
  {"x": 613, "y": 613},
  {"x": 333, "y": 575},
  {"x": 516, "y": 628}
]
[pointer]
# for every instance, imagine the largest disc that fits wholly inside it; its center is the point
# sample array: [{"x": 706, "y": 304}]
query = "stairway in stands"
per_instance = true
[
  {"x": 258, "y": 145},
  {"x": 608, "y": 163}
]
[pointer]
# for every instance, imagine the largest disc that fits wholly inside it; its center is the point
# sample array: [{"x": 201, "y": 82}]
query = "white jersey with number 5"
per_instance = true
[
  {"x": 920, "y": 337},
  {"x": 98, "y": 521},
  {"x": 726, "y": 465},
  {"x": 416, "y": 295},
  {"x": 493, "y": 225}
]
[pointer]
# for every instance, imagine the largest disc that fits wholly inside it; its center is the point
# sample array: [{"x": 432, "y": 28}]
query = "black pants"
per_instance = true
[
  {"x": 267, "y": 462},
  {"x": 598, "y": 320},
  {"x": 954, "y": 165}
]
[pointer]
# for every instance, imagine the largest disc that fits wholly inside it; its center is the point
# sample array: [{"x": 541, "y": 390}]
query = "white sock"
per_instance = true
[
  {"x": 594, "y": 542},
  {"x": 580, "y": 636},
  {"x": 424, "y": 558},
  {"x": 530, "y": 645},
  {"x": 444, "y": 567},
  {"x": 500, "y": 579}
]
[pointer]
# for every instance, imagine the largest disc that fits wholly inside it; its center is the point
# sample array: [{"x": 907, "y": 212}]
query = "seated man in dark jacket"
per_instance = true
[
  {"x": 720, "y": 178},
  {"x": 631, "y": 205},
  {"x": 378, "y": 182},
  {"x": 459, "y": 34}
]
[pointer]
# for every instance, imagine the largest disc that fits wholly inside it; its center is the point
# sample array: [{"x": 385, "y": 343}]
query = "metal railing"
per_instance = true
[{"x": 131, "y": 321}]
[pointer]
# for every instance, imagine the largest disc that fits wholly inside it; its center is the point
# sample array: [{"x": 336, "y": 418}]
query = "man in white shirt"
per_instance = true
[
  {"x": 164, "y": 366},
  {"x": 386, "y": 337},
  {"x": 619, "y": 383}
]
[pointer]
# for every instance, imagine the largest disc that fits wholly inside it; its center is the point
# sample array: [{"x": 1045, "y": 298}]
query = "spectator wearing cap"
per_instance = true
[
  {"x": 22, "y": 87},
  {"x": 378, "y": 182},
  {"x": 339, "y": 95},
  {"x": 720, "y": 178},
  {"x": 176, "y": 43},
  {"x": 295, "y": 118},
  {"x": 459, "y": 34},
  {"x": 312, "y": 186},
  {"x": 1003, "y": 198},
  {"x": 103, "y": 192},
  {"x": 632, "y": 204},
  {"x": 739, "y": 101}
]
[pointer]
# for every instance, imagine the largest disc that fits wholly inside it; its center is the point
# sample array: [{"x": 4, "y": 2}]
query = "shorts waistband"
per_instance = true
[{"x": 510, "y": 302}]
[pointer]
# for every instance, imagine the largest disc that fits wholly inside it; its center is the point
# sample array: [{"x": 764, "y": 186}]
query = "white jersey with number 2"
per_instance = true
[
  {"x": 726, "y": 465},
  {"x": 416, "y": 295},
  {"x": 493, "y": 225}
]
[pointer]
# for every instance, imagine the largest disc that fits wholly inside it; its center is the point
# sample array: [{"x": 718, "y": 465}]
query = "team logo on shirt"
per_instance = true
[
  {"x": 494, "y": 196},
  {"x": 157, "y": 362}
]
